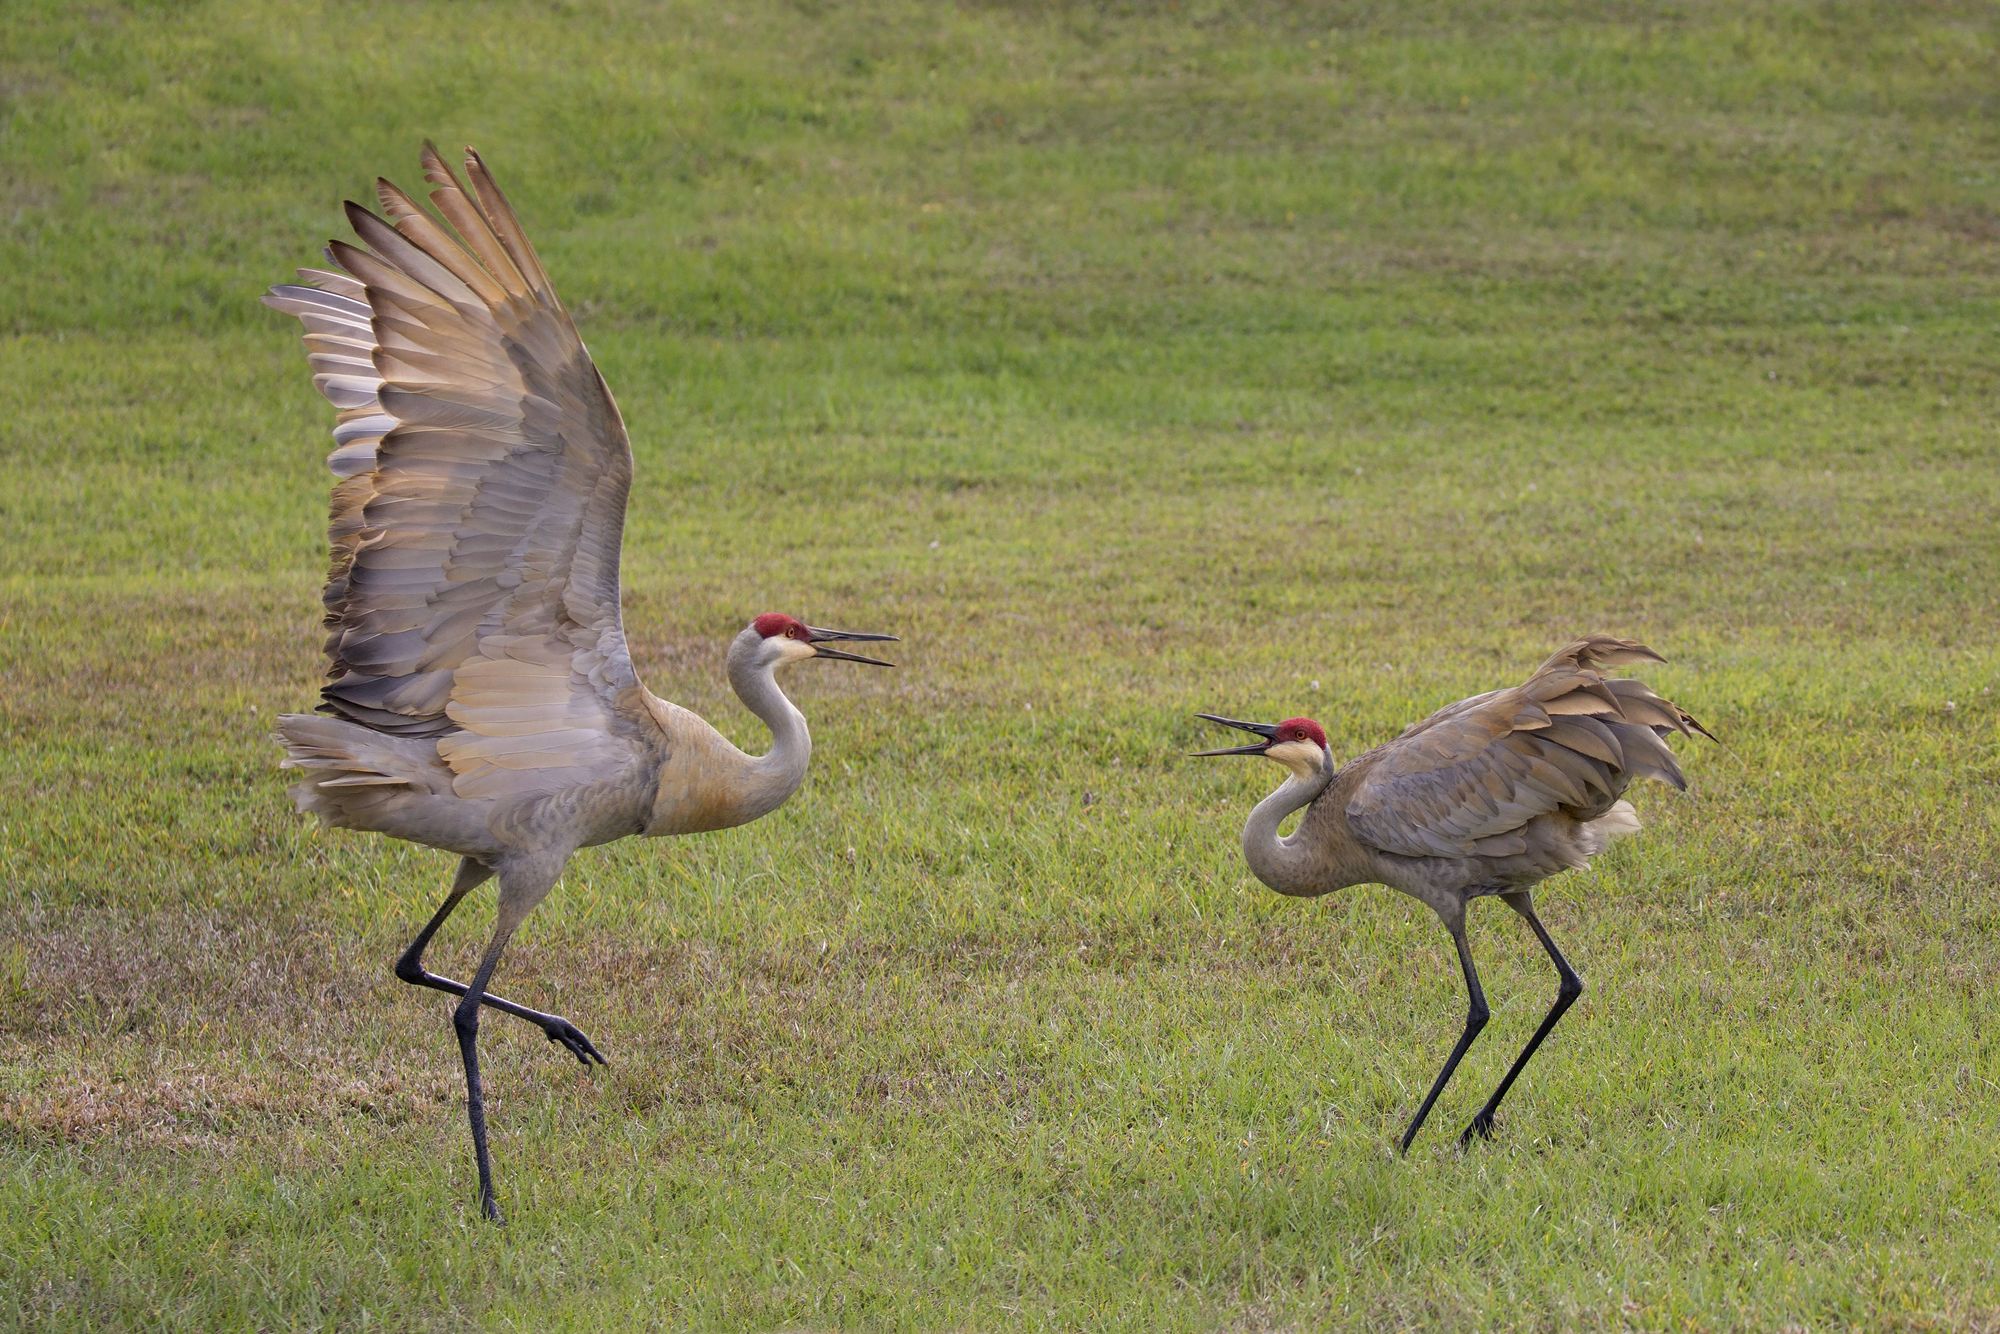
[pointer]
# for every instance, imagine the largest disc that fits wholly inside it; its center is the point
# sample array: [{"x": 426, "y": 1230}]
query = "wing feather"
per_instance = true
[
  {"x": 473, "y": 590},
  {"x": 506, "y": 228},
  {"x": 472, "y": 225},
  {"x": 417, "y": 227},
  {"x": 1466, "y": 780}
]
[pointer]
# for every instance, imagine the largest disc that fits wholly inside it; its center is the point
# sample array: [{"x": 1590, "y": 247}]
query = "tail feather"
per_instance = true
[
  {"x": 1621, "y": 821},
  {"x": 1593, "y": 651},
  {"x": 346, "y": 770},
  {"x": 1616, "y": 721}
]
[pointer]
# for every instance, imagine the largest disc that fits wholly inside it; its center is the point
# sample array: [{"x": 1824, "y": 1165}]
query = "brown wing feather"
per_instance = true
[
  {"x": 473, "y": 594},
  {"x": 1464, "y": 781}
]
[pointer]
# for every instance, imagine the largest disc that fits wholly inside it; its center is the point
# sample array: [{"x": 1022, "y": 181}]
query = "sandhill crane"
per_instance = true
[
  {"x": 1492, "y": 795},
  {"x": 479, "y": 697}
]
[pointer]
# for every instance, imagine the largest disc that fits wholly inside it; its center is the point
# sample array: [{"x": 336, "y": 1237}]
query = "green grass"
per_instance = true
[{"x": 1126, "y": 361}]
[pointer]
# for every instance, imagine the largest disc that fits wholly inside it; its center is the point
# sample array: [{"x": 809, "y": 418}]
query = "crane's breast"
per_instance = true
[{"x": 704, "y": 782}]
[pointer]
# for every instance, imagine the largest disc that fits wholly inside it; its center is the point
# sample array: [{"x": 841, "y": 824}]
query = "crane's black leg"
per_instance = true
[
  {"x": 1475, "y": 1019},
  {"x": 410, "y": 967},
  {"x": 466, "y": 1020},
  {"x": 1568, "y": 988},
  {"x": 521, "y": 888}
]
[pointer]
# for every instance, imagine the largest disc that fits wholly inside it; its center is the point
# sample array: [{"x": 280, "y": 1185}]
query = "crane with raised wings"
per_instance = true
[{"x": 479, "y": 697}]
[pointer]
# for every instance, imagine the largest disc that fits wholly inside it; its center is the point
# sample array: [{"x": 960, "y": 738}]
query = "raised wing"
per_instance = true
[
  {"x": 473, "y": 594},
  {"x": 1464, "y": 781}
]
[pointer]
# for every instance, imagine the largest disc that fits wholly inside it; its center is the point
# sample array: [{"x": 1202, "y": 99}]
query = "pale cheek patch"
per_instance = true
[
  {"x": 794, "y": 650},
  {"x": 1301, "y": 757}
]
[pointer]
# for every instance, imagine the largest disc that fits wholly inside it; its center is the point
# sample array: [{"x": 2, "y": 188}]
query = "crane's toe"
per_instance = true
[
  {"x": 572, "y": 1039},
  {"x": 1482, "y": 1126}
]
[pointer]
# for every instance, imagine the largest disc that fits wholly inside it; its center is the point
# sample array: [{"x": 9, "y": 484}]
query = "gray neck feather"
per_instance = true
[
  {"x": 773, "y": 776},
  {"x": 1285, "y": 864}
]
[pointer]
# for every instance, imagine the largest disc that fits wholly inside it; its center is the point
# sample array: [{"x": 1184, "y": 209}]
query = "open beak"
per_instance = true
[
  {"x": 816, "y": 637},
  {"x": 1266, "y": 730}
]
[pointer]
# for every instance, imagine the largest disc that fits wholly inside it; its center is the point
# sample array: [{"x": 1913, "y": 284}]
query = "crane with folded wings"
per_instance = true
[
  {"x": 1489, "y": 796},
  {"x": 479, "y": 697}
]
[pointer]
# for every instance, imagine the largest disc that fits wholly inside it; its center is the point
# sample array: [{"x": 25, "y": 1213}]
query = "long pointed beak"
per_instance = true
[
  {"x": 816, "y": 636},
  {"x": 1266, "y": 730}
]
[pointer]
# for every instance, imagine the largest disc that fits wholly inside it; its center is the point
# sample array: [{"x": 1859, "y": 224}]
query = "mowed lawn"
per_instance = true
[{"x": 1126, "y": 362}]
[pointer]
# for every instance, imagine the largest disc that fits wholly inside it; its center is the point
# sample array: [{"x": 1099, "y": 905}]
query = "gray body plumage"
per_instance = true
[
  {"x": 676, "y": 775},
  {"x": 1495, "y": 793},
  {"x": 1490, "y": 796}
]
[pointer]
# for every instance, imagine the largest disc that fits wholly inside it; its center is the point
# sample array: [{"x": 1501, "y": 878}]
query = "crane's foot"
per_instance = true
[
  {"x": 1482, "y": 1126},
  {"x": 571, "y": 1038},
  {"x": 491, "y": 1208}
]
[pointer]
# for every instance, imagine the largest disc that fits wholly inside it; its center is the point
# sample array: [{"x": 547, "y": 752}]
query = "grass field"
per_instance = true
[{"x": 1126, "y": 361}]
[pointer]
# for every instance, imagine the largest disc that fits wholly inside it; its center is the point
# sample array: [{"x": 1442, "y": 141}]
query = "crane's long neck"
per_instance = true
[
  {"x": 770, "y": 778},
  {"x": 1285, "y": 864}
]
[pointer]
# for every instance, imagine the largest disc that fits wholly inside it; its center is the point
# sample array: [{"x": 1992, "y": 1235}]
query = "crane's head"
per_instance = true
[
  {"x": 787, "y": 639},
  {"x": 1297, "y": 743}
]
